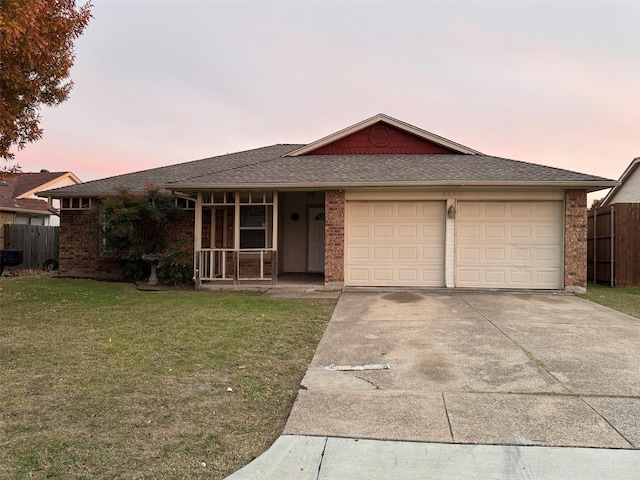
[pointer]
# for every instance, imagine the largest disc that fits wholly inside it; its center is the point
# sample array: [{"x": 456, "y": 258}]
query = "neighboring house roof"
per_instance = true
[
  {"x": 301, "y": 166},
  {"x": 17, "y": 195},
  {"x": 27, "y": 184},
  {"x": 629, "y": 189}
]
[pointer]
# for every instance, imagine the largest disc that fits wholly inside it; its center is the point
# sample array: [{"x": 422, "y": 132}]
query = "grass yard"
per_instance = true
[
  {"x": 100, "y": 380},
  {"x": 623, "y": 299}
]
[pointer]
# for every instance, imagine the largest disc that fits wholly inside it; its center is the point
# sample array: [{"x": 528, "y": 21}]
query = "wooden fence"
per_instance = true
[
  {"x": 613, "y": 255},
  {"x": 38, "y": 243}
]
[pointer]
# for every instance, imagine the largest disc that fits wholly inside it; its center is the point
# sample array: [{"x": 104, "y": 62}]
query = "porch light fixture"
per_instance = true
[{"x": 451, "y": 211}]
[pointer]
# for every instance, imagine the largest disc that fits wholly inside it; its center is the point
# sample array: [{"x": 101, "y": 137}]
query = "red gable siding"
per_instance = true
[{"x": 380, "y": 138}]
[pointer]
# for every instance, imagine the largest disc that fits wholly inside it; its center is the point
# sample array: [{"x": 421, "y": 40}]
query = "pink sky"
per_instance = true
[{"x": 163, "y": 82}]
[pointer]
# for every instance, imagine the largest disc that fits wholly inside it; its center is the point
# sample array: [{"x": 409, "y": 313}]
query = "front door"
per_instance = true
[{"x": 315, "y": 261}]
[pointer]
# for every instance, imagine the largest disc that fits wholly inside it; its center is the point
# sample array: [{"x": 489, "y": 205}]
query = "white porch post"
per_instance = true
[
  {"x": 274, "y": 239},
  {"x": 197, "y": 239},
  {"x": 236, "y": 222},
  {"x": 274, "y": 221},
  {"x": 236, "y": 238}
]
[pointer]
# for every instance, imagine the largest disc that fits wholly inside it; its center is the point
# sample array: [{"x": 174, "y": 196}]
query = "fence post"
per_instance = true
[
  {"x": 595, "y": 250},
  {"x": 613, "y": 236}
]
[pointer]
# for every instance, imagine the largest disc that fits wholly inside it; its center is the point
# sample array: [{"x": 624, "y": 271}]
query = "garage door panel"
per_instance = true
[
  {"x": 469, "y": 210},
  {"x": 520, "y": 254},
  {"x": 520, "y": 232},
  {"x": 408, "y": 231},
  {"x": 468, "y": 276},
  {"x": 547, "y": 276},
  {"x": 408, "y": 210},
  {"x": 358, "y": 210},
  {"x": 382, "y": 231},
  {"x": 489, "y": 231},
  {"x": 546, "y": 255},
  {"x": 521, "y": 210},
  {"x": 548, "y": 231},
  {"x": 494, "y": 210},
  {"x": 408, "y": 253},
  {"x": 509, "y": 244},
  {"x": 494, "y": 254},
  {"x": 382, "y": 253},
  {"x": 435, "y": 254},
  {"x": 407, "y": 275},
  {"x": 381, "y": 210},
  {"x": 382, "y": 274},
  {"x": 358, "y": 275},
  {"x": 361, "y": 231},
  {"x": 493, "y": 276},
  {"x": 402, "y": 244}
]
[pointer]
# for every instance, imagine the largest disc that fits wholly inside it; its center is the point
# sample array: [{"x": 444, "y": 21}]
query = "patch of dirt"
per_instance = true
[{"x": 27, "y": 272}]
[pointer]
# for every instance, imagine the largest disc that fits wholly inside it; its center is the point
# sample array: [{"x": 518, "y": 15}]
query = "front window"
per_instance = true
[{"x": 253, "y": 226}]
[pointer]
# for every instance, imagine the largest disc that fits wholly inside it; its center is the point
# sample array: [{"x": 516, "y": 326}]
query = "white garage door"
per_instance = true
[
  {"x": 509, "y": 244},
  {"x": 395, "y": 243}
]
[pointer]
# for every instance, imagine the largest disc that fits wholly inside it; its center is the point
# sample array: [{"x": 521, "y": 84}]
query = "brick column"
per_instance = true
[
  {"x": 334, "y": 204},
  {"x": 575, "y": 241}
]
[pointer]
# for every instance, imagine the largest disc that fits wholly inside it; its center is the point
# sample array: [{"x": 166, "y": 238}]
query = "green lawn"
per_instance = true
[
  {"x": 100, "y": 380},
  {"x": 623, "y": 299}
]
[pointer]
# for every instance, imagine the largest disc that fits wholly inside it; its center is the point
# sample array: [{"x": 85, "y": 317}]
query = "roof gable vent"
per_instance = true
[{"x": 380, "y": 136}]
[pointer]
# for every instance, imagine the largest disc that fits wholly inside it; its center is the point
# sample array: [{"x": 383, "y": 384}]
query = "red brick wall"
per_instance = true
[
  {"x": 334, "y": 201},
  {"x": 575, "y": 240},
  {"x": 380, "y": 138},
  {"x": 80, "y": 246},
  {"x": 81, "y": 243}
]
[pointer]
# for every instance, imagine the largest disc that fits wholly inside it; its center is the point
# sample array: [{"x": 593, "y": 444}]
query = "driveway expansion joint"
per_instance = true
[{"x": 529, "y": 354}]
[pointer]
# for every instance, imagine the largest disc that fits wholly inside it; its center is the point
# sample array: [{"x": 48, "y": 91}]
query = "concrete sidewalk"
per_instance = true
[
  {"x": 480, "y": 385},
  {"x": 330, "y": 458}
]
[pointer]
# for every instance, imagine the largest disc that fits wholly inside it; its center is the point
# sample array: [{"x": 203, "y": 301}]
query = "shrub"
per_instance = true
[
  {"x": 176, "y": 264},
  {"x": 135, "y": 225}
]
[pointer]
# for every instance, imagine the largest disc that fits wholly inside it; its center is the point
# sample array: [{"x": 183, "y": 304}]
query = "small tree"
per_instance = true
[
  {"x": 135, "y": 225},
  {"x": 36, "y": 55}
]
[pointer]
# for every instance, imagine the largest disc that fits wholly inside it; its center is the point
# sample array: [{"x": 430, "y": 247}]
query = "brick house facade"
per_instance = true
[{"x": 380, "y": 203}]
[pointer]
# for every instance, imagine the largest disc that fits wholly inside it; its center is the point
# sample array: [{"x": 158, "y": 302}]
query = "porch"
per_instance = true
[{"x": 258, "y": 237}]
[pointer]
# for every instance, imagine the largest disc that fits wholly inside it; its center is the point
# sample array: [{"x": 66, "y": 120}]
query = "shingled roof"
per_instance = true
[
  {"x": 137, "y": 182},
  {"x": 290, "y": 166},
  {"x": 268, "y": 167},
  {"x": 15, "y": 195},
  {"x": 326, "y": 171}
]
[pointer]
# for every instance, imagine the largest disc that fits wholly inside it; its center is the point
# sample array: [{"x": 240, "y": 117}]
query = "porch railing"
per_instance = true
[{"x": 235, "y": 265}]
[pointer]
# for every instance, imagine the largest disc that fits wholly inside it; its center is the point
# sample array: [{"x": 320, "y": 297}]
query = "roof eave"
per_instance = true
[
  {"x": 591, "y": 186},
  {"x": 43, "y": 213}
]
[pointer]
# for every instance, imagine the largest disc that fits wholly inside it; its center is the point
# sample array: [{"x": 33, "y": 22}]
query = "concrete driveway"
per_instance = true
[{"x": 477, "y": 368}]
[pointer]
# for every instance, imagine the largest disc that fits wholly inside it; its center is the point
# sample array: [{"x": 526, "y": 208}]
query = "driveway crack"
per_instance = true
[
  {"x": 446, "y": 412},
  {"x": 324, "y": 449},
  {"x": 368, "y": 381}
]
